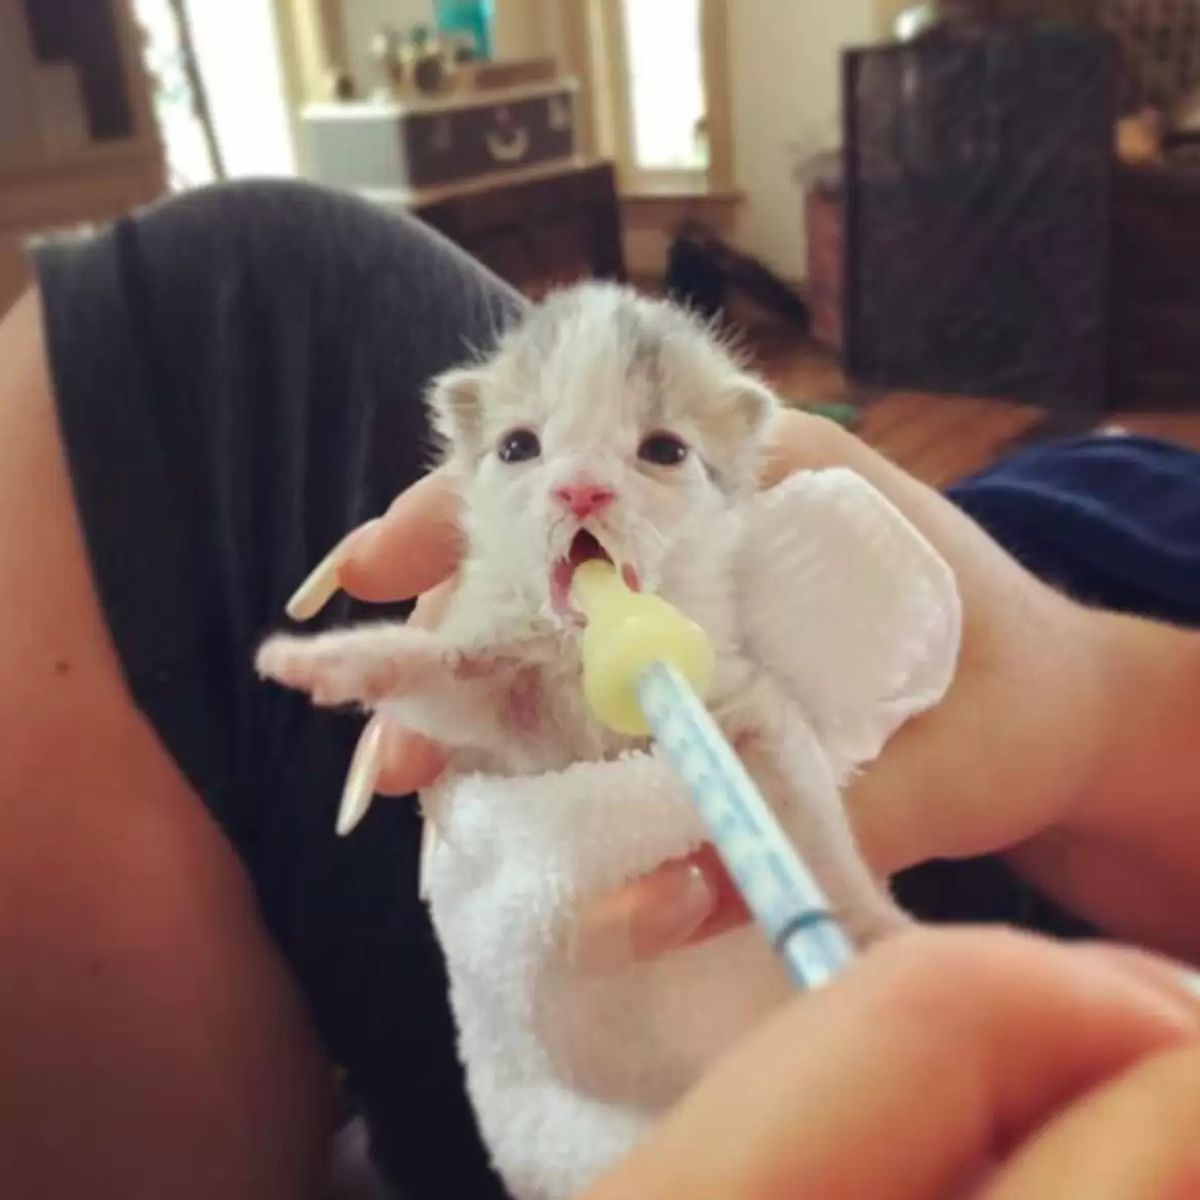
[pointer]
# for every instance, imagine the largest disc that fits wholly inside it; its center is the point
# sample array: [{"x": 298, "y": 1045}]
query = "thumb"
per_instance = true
[{"x": 412, "y": 548}]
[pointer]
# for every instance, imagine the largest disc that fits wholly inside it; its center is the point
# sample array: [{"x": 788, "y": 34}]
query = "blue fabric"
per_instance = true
[{"x": 1113, "y": 521}]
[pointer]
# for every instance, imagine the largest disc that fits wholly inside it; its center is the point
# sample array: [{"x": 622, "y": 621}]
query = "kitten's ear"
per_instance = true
[
  {"x": 734, "y": 427},
  {"x": 456, "y": 404},
  {"x": 745, "y": 408},
  {"x": 754, "y": 403}
]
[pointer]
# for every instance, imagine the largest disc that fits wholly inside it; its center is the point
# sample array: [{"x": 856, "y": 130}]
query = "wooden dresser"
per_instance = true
[
  {"x": 78, "y": 142},
  {"x": 536, "y": 229}
]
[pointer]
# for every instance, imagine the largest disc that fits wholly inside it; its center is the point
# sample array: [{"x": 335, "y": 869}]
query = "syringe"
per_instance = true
[{"x": 646, "y": 670}]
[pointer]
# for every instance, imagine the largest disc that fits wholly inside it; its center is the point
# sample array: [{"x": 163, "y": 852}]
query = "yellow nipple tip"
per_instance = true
[{"x": 627, "y": 632}]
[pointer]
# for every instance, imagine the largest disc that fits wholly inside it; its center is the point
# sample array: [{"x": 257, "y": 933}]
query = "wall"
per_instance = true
[
  {"x": 785, "y": 77},
  {"x": 785, "y": 85},
  {"x": 526, "y": 27}
]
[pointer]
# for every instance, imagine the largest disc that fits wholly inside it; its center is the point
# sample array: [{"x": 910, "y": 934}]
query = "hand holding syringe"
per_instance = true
[{"x": 646, "y": 669}]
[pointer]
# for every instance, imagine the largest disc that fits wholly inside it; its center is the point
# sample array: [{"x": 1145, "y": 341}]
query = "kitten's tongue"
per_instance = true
[{"x": 584, "y": 548}]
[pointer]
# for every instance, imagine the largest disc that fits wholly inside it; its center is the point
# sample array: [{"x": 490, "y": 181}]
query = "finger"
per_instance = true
[
  {"x": 1161, "y": 973},
  {"x": 684, "y": 901},
  {"x": 1135, "y": 1139},
  {"x": 801, "y": 441},
  {"x": 412, "y": 548},
  {"x": 933, "y": 1055},
  {"x": 407, "y": 762},
  {"x": 415, "y": 545},
  {"x": 431, "y": 606}
]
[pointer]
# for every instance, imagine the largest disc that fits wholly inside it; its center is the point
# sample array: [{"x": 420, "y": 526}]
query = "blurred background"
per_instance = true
[{"x": 953, "y": 225}]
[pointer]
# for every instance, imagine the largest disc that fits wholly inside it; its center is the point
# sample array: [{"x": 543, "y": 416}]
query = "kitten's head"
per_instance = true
[{"x": 605, "y": 424}]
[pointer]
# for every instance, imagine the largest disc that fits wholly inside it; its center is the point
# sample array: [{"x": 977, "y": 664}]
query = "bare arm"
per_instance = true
[
  {"x": 1127, "y": 851},
  {"x": 1071, "y": 737},
  {"x": 154, "y": 1044}
]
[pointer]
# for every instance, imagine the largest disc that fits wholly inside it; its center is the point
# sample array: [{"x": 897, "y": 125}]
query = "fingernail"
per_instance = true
[
  {"x": 325, "y": 578},
  {"x": 1191, "y": 981},
  {"x": 319, "y": 588},
  {"x": 651, "y": 918},
  {"x": 359, "y": 788},
  {"x": 429, "y": 843}
]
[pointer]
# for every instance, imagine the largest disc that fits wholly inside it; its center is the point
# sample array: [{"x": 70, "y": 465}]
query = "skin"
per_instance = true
[
  {"x": 155, "y": 1043},
  {"x": 1076, "y": 1072}
]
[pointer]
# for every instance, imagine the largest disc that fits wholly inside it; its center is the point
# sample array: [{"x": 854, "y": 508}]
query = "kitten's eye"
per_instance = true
[
  {"x": 663, "y": 449},
  {"x": 519, "y": 445}
]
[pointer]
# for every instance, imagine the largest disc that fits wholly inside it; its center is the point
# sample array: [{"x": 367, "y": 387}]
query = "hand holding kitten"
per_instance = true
[{"x": 1004, "y": 761}]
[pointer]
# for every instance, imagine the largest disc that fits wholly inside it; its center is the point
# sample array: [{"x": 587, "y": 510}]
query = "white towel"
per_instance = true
[{"x": 857, "y": 617}]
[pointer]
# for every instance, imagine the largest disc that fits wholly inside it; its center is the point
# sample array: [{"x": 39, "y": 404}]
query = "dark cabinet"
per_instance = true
[
  {"x": 537, "y": 230},
  {"x": 976, "y": 213}
]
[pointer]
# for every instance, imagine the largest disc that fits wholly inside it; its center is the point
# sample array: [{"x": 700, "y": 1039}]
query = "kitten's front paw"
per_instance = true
[{"x": 358, "y": 666}]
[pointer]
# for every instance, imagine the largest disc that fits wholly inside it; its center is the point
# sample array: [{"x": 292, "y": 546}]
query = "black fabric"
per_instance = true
[{"x": 239, "y": 376}]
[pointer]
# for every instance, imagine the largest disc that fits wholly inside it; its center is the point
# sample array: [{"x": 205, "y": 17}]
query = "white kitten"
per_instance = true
[{"x": 605, "y": 424}]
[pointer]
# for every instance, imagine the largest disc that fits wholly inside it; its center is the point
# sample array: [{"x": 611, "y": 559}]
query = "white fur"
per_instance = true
[{"x": 855, "y": 622}]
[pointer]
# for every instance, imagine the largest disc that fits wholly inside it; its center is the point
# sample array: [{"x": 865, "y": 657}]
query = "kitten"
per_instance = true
[{"x": 610, "y": 425}]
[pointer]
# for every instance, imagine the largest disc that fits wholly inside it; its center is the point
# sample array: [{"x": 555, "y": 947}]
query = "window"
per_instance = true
[
  {"x": 664, "y": 67},
  {"x": 658, "y": 78},
  {"x": 237, "y": 57}
]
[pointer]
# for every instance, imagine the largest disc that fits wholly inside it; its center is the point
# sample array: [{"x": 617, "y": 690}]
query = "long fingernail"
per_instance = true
[
  {"x": 359, "y": 788},
  {"x": 429, "y": 843},
  {"x": 662, "y": 915},
  {"x": 319, "y": 588}
]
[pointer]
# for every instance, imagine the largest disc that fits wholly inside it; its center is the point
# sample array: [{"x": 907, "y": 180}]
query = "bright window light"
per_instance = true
[{"x": 666, "y": 82}]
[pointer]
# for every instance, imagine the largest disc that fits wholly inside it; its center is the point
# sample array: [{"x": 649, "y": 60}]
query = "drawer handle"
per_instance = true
[{"x": 511, "y": 149}]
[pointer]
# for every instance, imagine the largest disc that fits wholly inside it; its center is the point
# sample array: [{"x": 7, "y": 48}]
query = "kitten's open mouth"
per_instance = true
[{"x": 585, "y": 547}]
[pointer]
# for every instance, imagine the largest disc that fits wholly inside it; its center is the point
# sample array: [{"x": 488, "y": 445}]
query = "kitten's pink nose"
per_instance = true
[{"x": 584, "y": 499}]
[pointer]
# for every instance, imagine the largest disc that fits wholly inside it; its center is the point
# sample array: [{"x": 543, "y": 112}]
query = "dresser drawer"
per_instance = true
[{"x": 434, "y": 142}]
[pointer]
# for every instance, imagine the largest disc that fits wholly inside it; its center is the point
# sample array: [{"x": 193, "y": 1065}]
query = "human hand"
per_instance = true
[
  {"x": 412, "y": 551},
  {"x": 943, "y": 1064},
  {"x": 998, "y": 762}
]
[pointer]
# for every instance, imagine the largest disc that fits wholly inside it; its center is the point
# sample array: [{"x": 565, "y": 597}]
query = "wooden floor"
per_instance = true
[{"x": 937, "y": 438}]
